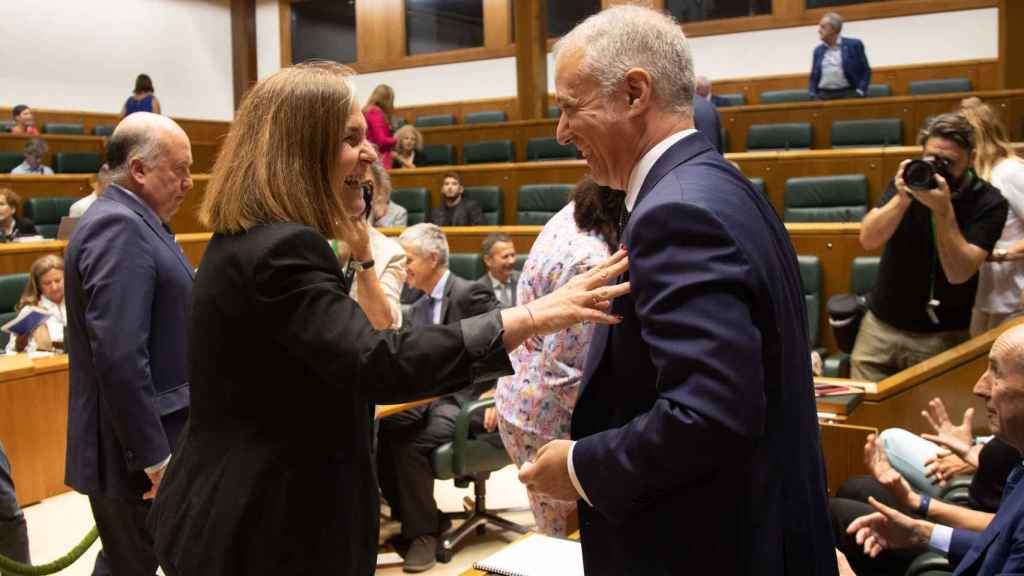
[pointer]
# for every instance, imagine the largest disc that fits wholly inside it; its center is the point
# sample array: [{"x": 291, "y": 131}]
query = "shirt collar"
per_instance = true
[
  {"x": 438, "y": 292},
  {"x": 495, "y": 282},
  {"x": 643, "y": 167},
  {"x": 141, "y": 201}
]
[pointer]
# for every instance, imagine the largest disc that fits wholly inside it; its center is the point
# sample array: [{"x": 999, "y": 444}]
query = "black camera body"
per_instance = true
[{"x": 920, "y": 174}]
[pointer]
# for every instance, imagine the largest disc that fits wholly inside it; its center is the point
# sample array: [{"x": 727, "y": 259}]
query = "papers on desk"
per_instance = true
[
  {"x": 536, "y": 555},
  {"x": 832, "y": 389},
  {"x": 27, "y": 320},
  {"x": 28, "y": 239}
]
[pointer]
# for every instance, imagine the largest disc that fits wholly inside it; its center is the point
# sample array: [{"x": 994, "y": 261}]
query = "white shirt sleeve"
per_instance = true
[
  {"x": 574, "y": 479},
  {"x": 942, "y": 536}
]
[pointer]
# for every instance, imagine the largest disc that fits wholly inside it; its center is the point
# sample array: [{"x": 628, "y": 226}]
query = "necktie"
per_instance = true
[
  {"x": 427, "y": 311},
  {"x": 623, "y": 220}
]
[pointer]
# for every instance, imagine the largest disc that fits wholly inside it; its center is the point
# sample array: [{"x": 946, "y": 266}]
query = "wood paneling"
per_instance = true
[
  {"x": 243, "y": 46},
  {"x": 1011, "y": 44},
  {"x": 198, "y": 130},
  {"x": 18, "y": 257},
  {"x": 41, "y": 186},
  {"x": 843, "y": 447},
  {"x": 532, "y": 58}
]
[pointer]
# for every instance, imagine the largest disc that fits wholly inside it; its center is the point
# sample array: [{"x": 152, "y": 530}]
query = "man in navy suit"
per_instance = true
[
  {"x": 695, "y": 439},
  {"x": 840, "y": 67},
  {"x": 999, "y": 549},
  {"x": 128, "y": 288}
]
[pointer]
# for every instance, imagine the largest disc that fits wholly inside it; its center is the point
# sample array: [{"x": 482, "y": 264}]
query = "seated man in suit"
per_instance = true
[
  {"x": 703, "y": 89},
  {"x": 454, "y": 209},
  {"x": 407, "y": 438},
  {"x": 499, "y": 254},
  {"x": 997, "y": 548},
  {"x": 840, "y": 67}
]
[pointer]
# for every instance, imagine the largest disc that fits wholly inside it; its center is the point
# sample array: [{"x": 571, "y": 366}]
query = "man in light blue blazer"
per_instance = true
[
  {"x": 839, "y": 68},
  {"x": 128, "y": 288},
  {"x": 999, "y": 549}
]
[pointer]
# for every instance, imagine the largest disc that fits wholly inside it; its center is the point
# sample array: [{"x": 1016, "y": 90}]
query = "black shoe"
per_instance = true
[{"x": 422, "y": 554}]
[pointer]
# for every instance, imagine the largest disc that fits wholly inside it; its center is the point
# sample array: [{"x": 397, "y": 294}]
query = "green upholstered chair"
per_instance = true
[
  {"x": 520, "y": 261},
  {"x": 735, "y": 99},
  {"x": 929, "y": 564},
  {"x": 397, "y": 122},
  {"x": 435, "y": 155},
  {"x": 879, "y": 91},
  {"x": 758, "y": 184},
  {"x": 46, "y": 212},
  {"x": 863, "y": 273},
  {"x": 466, "y": 265},
  {"x": 468, "y": 460},
  {"x": 77, "y": 162},
  {"x": 879, "y": 132},
  {"x": 537, "y": 203},
  {"x": 790, "y": 136},
  {"x": 491, "y": 201},
  {"x": 554, "y": 112},
  {"x": 63, "y": 128},
  {"x": 782, "y": 96},
  {"x": 416, "y": 202},
  {"x": 103, "y": 130},
  {"x": 11, "y": 287},
  {"x": 810, "y": 274},
  {"x": 484, "y": 117},
  {"x": 435, "y": 120},
  {"x": 842, "y": 198},
  {"x": 6, "y": 126},
  {"x": 548, "y": 148},
  {"x": 492, "y": 151},
  {"x": 9, "y": 161},
  {"x": 942, "y": 86}
]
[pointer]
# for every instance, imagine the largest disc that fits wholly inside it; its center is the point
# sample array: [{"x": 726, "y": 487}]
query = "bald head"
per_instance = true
[
  {"x": 1002, "y": 387},
  {"x": 703, "y": 86},
  {"x": 151, "y": 155}
]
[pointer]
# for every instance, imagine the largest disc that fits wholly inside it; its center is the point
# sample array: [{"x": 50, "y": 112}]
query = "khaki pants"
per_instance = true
[
  {"x": 985, "y": 321},
  {"x": 882, "y": 350}
]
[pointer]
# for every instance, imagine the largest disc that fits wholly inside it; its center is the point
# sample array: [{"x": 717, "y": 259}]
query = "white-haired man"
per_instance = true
[
  {"x": 695, "y": 440},
  {"x": 839, "y": 67}
]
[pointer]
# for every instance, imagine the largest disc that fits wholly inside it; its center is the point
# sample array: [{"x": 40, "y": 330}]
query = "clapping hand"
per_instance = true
[
  {"x": 960, "y": 455},
  {"x": 878, "y": 463},
  {"x": 888, "y": 529}
]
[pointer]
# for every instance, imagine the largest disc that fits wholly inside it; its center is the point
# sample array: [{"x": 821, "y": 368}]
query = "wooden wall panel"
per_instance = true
[
  {"x": 16, "y": 258},
  {"x": 201, "y": 130},
  {"x": 843, "y": 446}
]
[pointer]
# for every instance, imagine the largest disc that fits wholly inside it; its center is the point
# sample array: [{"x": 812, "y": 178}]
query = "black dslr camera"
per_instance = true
[{"x": 920, "y": 174}]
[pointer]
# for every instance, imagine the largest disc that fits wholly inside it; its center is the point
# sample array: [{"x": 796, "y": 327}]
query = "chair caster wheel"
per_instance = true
[{"x": 444, "y": 555}]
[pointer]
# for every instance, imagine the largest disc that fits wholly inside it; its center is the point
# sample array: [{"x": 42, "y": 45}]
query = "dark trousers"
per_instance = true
[
  {"x": 127, "y": 544},
  {"x": 837, "y": 94},
  {"x": 406, "y": 476},
  {"x": 850, "y": 504},
  {"x": 13, "y": 530}
]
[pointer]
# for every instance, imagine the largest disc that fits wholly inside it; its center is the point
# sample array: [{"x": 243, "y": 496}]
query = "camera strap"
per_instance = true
[{"x": 932, "y": 304}]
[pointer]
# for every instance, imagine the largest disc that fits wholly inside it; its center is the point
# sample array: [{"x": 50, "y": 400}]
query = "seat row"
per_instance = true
[
  {"x": 940, "y": 86},
  {"x": 65, "y": 128},
  {"x": 537, "y": 149},
  {"x": 63, "y": 162},
  {"x": 535, "y": 203}
]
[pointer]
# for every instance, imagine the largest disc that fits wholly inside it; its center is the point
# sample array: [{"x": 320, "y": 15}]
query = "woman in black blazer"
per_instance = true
[
  {"x": 274, "y": 472},
  {"x": 11, "y": 224}
]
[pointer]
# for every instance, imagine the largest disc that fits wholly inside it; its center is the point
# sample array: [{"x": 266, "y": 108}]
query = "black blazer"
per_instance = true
[
  {"x": 128, "y": 286},
  {"x": 696, "y": 428},
  {"x": 462, "y": 299},
  {"x": 274, "y": 474},
  {"x": 22, "y": 227}
]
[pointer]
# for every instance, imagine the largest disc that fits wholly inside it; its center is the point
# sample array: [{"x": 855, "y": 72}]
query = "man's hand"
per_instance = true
[
  {"x": 491, "y": 414},
  {"x": 154, "y": 477},
  {"x": 878, "y": 464},
  {"x": 944, "y": 466},
  {"x": 888, "y": 529},
  {"x": 548, "y": 475},
  {"x": 844, "y": 565},
  {"x": 938, "y": 199},
  {"x": 958, "y": 439}
]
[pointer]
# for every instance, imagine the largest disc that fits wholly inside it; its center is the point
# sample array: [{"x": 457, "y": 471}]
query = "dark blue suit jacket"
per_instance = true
[
  {"x": 697, "y": 435},
  {"x": 855, "y": 65},
  {"x": 707, "y": 120},
  {"x": 128, "y": 288},
  {"x": 1000, "y": 548}
]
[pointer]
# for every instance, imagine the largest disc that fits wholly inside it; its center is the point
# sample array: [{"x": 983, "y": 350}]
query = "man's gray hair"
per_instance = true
[
  {"x": 36, "y": 147},
  {"x": 381, "y": 176},
  {"x": 427, "y": 239},
  {"x": 835, "y": 21},
  {"x": 623, "y": 37},
  {"x": 127, "y": 144}
]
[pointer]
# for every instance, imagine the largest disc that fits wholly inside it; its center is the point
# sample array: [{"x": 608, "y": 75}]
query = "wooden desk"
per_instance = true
[{"x": 17, "y": 257}]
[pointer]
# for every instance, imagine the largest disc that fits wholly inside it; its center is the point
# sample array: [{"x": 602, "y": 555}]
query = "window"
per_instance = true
[
  {"x": 562, "y": 16},
  {"x": 324, "y": 29},
  {"x": 441, "y": 25},
  {"x": 698, "y": 10}
]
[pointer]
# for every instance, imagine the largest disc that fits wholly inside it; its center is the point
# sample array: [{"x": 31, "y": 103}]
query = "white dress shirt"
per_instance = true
[
  {"x": 832, "y": 77},
  {"x": 636, "y": 181},
  {"x": 438, "y": 295}
]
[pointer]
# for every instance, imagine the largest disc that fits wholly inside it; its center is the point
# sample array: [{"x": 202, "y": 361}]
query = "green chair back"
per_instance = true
[
  {"x": 537, "y": 203},
  {"x": 942, "y": 86},
  {"x": 77, "y": 162},
  {"x": 11, "y": 287},
  {"x": 64, "y": 128},
  {"x": 6, "y": 126},
  {"x": 879, "y": 91},
  {"x": 484, "y": 152},
  {"x": 880, "y": 132},
  {"x": 9, "y": 161},
  {"x": 735, "y": 99},
  {"x": 491, "y": 202},
  {"x": 548, "y": 148},
  {"x": 466, "y": 265},
  {"x": 484, "y": 117},
  {"x": 554, "y": 112},
  {"x": 435, "y": 120},
  {"x": 758, "y": 184},
  {"x": 790, "y": 136},
  {"x": 863, "y": 274},
  {"x": 46, "y": 212},
  {"x": 416, "y": 202},
  {"x": 397, "y": 122},
  {"x": 841, "y": 198},
  {"x": 102, "y": 130},
  {"x": 520, "y": 260},
  {"x": 435, "y": 155},
  {"x": 810, "y": 274},
  {"x": 782, "y": 96}
]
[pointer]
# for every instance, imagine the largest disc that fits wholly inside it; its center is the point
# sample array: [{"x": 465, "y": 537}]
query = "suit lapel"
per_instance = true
[
  {"x": 447, "y": 297},
  {"x": 116, "y": 194}
]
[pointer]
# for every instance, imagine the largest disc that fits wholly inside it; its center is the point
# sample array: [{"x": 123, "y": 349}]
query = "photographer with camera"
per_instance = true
[{"x": 938, "y": 222}]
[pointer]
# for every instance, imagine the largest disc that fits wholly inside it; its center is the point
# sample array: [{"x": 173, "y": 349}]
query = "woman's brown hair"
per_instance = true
[
  {"x": 281, "y": 154},
  {"x": 12, "y": 199},
  {"x": 32, "y": 293},
  {"x": 383, "y": 97},
  {"x": 992, "y": 145},
  {"x": 598, "y": 209}
]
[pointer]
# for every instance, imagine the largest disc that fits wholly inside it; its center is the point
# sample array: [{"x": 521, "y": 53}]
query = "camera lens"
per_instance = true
[{"x": 919, "y": 175}]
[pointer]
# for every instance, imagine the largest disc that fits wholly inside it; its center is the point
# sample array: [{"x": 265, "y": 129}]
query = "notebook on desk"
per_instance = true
[{"x": 536, "y": 555}]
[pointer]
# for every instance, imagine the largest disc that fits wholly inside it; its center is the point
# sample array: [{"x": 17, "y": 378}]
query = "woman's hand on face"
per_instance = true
[{"x": 359, "y": 240}]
